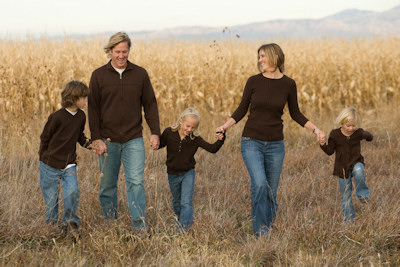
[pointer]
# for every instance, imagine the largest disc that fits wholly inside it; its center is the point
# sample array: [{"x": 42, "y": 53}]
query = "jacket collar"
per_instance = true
[{"x": 128, "y": 67}]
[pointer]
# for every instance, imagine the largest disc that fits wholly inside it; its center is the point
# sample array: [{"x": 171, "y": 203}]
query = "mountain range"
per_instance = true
[{"x": 352, "y": 23}]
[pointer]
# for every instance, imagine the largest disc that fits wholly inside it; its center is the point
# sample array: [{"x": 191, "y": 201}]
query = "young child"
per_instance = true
[
  {"x": 57, "y": 155},
  {"x": 182, "y": 141},
  {"x": 349, "y": 162}
]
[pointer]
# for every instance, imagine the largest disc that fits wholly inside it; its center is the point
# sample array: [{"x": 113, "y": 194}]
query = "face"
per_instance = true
[
  {"x": 81, "y": 102},
  {"x": 119, "y": 55},
  {"x": 349, "y": 127},
  {"x": 265, "y": 63},
  {"x": 188, "y": 125}
]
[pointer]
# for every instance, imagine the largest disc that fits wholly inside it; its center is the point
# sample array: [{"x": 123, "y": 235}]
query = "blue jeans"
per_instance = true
[
  {"x": 346, "y": 187},
  {"x": 51, "y": 179},
  {"x": 264, "y": 162},
  {"x": 132, "y": 156},
  {"x": 182, "y": 187}
]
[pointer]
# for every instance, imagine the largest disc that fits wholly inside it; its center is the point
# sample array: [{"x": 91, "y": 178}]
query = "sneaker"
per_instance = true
[{"x": 364, "y": 199}]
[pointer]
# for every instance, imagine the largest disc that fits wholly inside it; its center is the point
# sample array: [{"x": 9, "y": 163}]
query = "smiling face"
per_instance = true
[
  {"x": 265, "y": 63},
  {"x": 119, "y": 55},
  {"x": 349, "y": 127},
  {"x": 188, "y": 125}
]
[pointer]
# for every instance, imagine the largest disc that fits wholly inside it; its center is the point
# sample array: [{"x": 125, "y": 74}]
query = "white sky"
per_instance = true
[{"x": 49, "y": 17}]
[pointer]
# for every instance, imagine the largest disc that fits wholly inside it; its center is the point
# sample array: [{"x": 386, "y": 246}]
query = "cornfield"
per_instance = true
[{"x": 330, "y": 74}]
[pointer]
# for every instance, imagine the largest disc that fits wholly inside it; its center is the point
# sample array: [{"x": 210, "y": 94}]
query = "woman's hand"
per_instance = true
[{"x": 321, "y": 137}]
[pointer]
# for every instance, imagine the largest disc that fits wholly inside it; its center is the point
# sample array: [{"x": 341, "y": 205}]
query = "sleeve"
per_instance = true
[
  {"x": 243, "y": 107},
  {"x": 83, "y": 140},
  {"x": 212, "y": 148},
  {"x": 94, "y": 100},
  {"x": 48, "y": 131},
  {"x": 293, "y": 105},
  {"x": 163, "y": 139},
  {"x": 149, "y": 103},
  {"x": 366, "y": 135},
  {"x": 329, "y": 148}
]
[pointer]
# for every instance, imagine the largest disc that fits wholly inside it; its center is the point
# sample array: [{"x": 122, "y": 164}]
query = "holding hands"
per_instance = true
[{"x": 321, "y": 137}]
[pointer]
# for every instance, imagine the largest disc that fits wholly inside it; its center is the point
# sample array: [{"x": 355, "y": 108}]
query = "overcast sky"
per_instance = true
[{"x": 50, "y": 17}]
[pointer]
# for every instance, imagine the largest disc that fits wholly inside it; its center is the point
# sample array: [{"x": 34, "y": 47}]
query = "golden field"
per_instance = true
[{"x": 330, "y": 74}]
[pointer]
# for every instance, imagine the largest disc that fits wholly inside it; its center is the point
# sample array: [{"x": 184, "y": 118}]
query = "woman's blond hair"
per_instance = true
[
  {"x": 115, "y": 39},
  {"x": 274, "y": 54},
  {"x": 348, "y": 114},
  {"x": 188, "y": 112}
]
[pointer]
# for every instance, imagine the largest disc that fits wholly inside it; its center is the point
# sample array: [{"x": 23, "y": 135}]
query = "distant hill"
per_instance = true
[{"x": 348, "y": 24}]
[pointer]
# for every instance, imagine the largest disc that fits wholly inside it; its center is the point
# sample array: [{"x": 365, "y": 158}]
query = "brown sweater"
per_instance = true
[
  {"x": 180, "y": 153},
  {"x": 266, "y": 99},
  {"x": 115, "y": 103},
  {"x": 347, "y": 148},
  {"x": 59, "y": 137}
]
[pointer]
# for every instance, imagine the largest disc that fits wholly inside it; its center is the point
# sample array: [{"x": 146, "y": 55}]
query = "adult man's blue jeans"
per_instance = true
[
  {"x": 132, "y": 156},
  {"x": 51, "y": 179},
  {"x": 346, "y": 188},
  {"x": 264, "y": 160},
  {"x": 182, "y": 188}
]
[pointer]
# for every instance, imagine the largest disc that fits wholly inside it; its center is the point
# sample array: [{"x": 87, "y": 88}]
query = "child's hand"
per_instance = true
[
  {"x": 321, "y": 138},
  {"x": 154, "y": 141},
  {"x": 99, "y": 147},
  {"x": 220, "y": 135}
]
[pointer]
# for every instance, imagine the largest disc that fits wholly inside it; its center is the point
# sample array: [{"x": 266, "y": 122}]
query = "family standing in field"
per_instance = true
[{"x": 118, "y": 92}]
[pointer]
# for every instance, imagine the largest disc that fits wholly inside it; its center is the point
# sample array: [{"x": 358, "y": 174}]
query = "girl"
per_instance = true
[
  {"x": 349, "y": 162},
  {"x": 182, "y": 141}
]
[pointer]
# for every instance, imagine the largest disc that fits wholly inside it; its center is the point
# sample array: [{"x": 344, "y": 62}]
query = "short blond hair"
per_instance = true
[
  {"x": 274, "y": 54},
  {"x": 115, "y": 39},
  {"x": 348, "y": 114},
  {"x": 188, "y": 112}
]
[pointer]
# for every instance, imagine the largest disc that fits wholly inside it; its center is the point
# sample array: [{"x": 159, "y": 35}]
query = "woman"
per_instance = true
[{"x": 262, "y": 145}]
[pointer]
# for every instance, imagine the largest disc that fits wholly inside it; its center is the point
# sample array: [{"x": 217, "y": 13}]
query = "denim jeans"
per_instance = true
[
  {"x": 346, "y": 187},
  {"x": 264, "y": 160},
  {"x": 132, "y": 156},
  {"x": 51, "y": 179},
  {"x": 182, "y": 187}
]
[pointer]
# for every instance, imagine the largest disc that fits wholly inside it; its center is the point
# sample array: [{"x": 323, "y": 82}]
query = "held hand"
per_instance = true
[
  {"x": 154, "y": 141},
  {"x": 220, "y": 130},
  {"x": 220, "y": 135},
  {"x": 321, "y": 137},
  {"x": 99, "y": 147}
]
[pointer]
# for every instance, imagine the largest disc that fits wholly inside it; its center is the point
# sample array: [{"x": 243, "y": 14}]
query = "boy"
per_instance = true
[{"x": 57, "y": 155}]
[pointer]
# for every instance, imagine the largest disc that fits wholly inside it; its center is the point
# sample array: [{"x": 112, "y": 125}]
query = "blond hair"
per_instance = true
[
  {"x": 348, "y": 114},
  {"x": 72, "y": 92},
  {"x": 187, "y": 112},
  {"x": 275, "y": 56},
  {"x": 115, "y": 39}
]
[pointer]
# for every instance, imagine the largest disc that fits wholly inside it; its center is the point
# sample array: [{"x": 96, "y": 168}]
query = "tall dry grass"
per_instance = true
[{"x": 330, "y": 74}]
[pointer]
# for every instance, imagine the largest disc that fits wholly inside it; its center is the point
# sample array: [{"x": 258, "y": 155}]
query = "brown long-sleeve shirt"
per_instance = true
[
  {"x": 266, "y": 99},
  {"x": 115, "y": 103},
  {"x": 59, "y": 137},
  {"x": 180, "y": 153},
  {"x": 347, "y": 150}
]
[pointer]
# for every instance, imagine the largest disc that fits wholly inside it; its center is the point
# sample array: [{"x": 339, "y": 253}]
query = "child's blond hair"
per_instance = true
[
  {"x": 348, "y": 114},
  {"x": 188, "y": 112}
]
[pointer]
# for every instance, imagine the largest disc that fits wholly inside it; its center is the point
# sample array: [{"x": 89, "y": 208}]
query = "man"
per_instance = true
[{"x": 118, "y": 91}]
